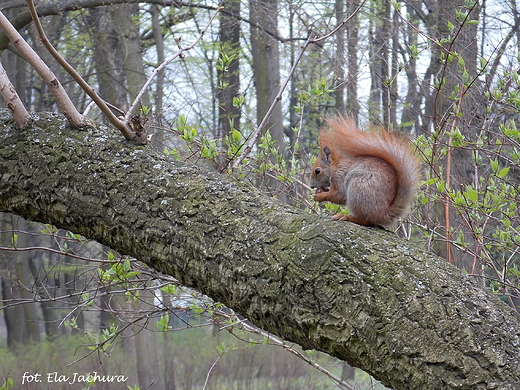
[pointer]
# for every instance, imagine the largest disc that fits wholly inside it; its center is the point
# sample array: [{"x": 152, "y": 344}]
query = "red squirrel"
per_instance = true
[{"x": 375, "y": 173}]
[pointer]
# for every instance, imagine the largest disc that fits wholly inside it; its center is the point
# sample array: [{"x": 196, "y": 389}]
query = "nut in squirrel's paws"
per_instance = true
[
  {"x": 321, "y": 194},
  {"x": 322, "y": 189}
]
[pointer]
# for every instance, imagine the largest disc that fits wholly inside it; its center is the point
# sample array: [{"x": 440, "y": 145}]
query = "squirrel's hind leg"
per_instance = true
[{"x": 350, "y": 218}]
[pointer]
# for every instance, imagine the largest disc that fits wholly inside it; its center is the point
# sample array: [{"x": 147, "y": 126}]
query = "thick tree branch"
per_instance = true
[
  {"x": 62, "y": 99},
  {"x": 122, "y": 126},
  {"x": 360, "y": 294},
  {"x": 12, "y": 100}
]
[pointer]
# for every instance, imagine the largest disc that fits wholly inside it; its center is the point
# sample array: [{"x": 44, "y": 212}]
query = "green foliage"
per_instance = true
[
  {"x": 313, "y": 96},
  {"x": 104, "y": 340},
  {"x": 118, "y": 272},
  {"x": 8, "y": 384},
  {"x": 187, "y": 133},
  {"x": 162, "y": 323},
  {"x": 489, "y": 206}
]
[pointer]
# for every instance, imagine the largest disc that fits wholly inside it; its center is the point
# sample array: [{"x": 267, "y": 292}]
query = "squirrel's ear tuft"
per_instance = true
[{"x": 326, "y": 155}]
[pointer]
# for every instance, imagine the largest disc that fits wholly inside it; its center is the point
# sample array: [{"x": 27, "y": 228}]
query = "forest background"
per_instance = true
[{"x": 444, "y": 73}]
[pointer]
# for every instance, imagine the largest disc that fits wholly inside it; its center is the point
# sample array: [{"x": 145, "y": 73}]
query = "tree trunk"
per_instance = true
[
  {"x": 228, "y": 75},
  {"x": 405, "y": 316},
  {"x": 148, "y": 352},
  {"x": 17, "y": 70},
  {"x": 412, "y": 105},
  {"x": 339, "y": 63},
  {"x": 266, "y": 69},
  {"x": 158, "y": 128},
  {"x": 22, "y": 321},
  {"x": 377, "y": 43},
  {"x": 108, "y": 60},
  {"x": 131, "y": 50},
  {"x": 266, "y": 65},
  {"x": 352, "y": 102}
]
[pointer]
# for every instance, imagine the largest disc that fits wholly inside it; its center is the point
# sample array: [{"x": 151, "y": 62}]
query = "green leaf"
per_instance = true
[
  {"x": 238, "y": 101},
  {"x": 494, "y": 165},
  {"x": 181, "y": 121},
  {"x": 162, "y": 324},
  {"x": 236, "y": 136},
  {"x": 472, "y": 194},
  {"x": 503, "y": 172},
  {"x": 126, "y": 265}
]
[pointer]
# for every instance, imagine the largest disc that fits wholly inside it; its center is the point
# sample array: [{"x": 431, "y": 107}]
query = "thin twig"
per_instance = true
[
  {"x": 256, "y": 134},
  {"x": 345, "y": 20},
  {"x": 278, "y": 98},
  {"x": 179, "y": 53},
  {"x": 62, "y": 99},
  {"x": 281, "y": 343},
  {"x": 122, "y": 126},
  {"x": 211, "y": 370}
]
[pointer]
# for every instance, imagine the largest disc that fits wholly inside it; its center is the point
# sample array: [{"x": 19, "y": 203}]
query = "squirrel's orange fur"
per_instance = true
[{"x": 375, "y": 173}]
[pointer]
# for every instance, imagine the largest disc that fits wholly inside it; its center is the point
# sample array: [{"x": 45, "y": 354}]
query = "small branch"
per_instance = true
[
  {"x": 63, "y": 100},
  {"x": 122, "y": 126},
  {"x": 273, "y": 340},
  {"x": 12, "y": 100},
  {"x": 258, "y": 131},
  {"x": 341, "y": 24},
  {"x": 256, "y": 134},
  {"x": 220, "y": 355},
  {"x": 179, "y": 53}
]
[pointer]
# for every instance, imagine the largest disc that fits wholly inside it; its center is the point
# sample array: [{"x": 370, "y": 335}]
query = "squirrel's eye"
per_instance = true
[{"x": 317, "y": 171}]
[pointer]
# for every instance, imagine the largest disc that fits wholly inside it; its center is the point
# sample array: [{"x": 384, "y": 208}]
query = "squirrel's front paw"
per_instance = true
[
  {"x": 320, "y": 197},
  {"x": 321, "y": 194}
]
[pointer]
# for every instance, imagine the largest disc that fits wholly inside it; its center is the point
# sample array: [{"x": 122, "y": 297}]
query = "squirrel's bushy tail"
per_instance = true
[{"x": 349, "y": 140}]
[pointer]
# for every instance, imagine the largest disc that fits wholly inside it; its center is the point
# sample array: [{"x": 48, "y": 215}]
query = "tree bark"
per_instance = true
[{"x": 363, "y": 295}]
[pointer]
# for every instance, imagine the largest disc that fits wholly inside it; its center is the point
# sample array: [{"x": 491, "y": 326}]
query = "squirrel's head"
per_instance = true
[{"x": 320, "y": 174}]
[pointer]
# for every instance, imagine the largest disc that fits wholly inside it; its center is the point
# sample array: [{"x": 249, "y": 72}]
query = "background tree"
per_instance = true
[{"x": 229, "y": 68}]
